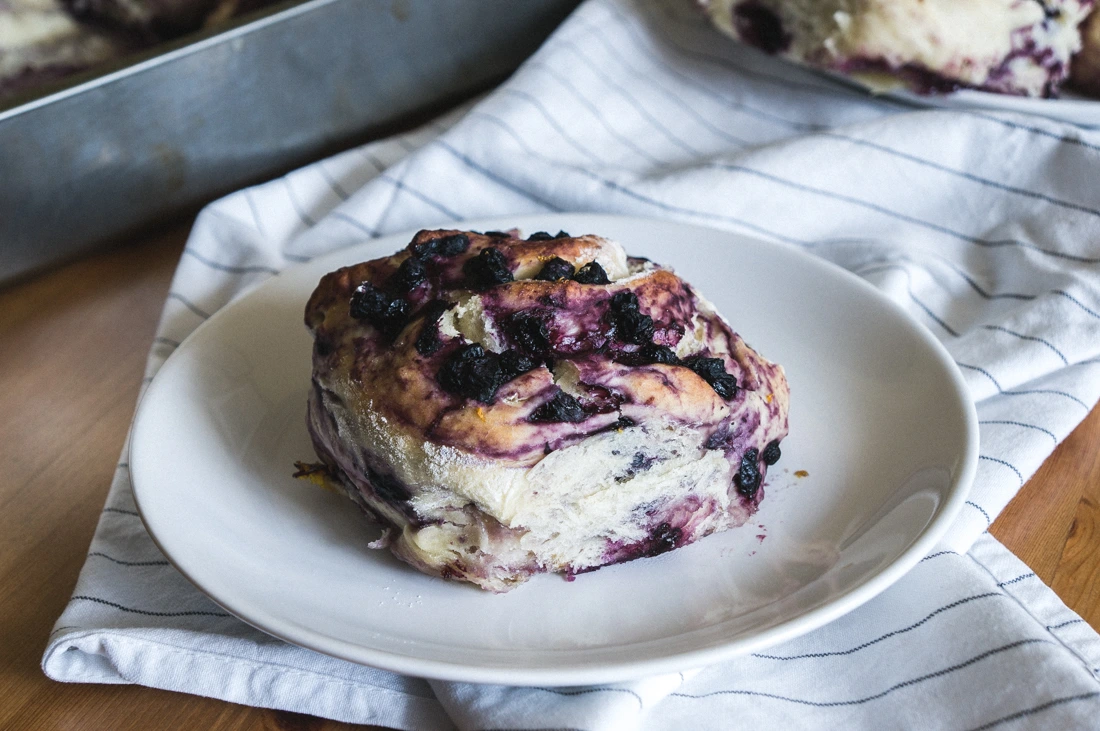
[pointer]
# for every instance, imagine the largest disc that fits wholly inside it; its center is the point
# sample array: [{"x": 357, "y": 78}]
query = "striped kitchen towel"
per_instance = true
[{"x": 984, "y": 225}]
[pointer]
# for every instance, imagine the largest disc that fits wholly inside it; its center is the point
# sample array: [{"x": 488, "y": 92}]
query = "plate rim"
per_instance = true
[{"x": 605, "y": 672}]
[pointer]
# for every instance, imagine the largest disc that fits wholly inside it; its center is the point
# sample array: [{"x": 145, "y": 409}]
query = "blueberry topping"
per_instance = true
[
  {"x": 591, "y": 273},
  {"x": 428, "y": 342},
  {"x": 713, "y": 372},
  {"x": 747, "y": 478},
  {"x": 771, "y": 453},
  {"x": 663, "y": 354},
  {"x": 471, "y": 372},
  {"x": 452, "y": 245},
  {"x": 544, "y": 236},
  {"x": 498, "y": 234},
  {"x": 562, "y": 407},
  {"x": 555, "y": 269},
  {"x": 376, "y": 307},
  {"x": 529, "y": 331},
  {"x": 662, "y": 539},
  {"x": 514, "y": 364},
  {"x": 631, "y": 326},
  {"x": 488, "y": 268},
  {"x": 717, "y": 440},
  {"x": 409, "y": 275},
  {"x": 649, "y": 354}
]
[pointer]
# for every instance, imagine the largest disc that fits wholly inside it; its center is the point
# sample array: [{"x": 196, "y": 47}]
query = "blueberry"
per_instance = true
[
  {"x": 376, "y": 307},
  {"x": 663, "y": 539},
  {"x": 771, "y": 453},
  {"x": 544, "y": 236},
  {"x": 488, "y": 268},
  {"x": 653, "y": 353},
  {"x": 648, "y": 354},
  {"x": 562, "y": 407},
  {"x": 747, "y": 478},
  {"x": 634, "y": 327},
  {"x": 409, "y": 275},
  {"x": 631, "y": 326},
  {"x": 451, "y": 245},
  {"x": 428, "y": 342},
  {"x": 514, "y": 364},
  {"x": 591, "y": 273},
  {"x": 625, "y": 301},
  {"x": 529, "y": 331},
  {"x": 498, "y": 234},
  {"x": 713, "y": 371},
  {"x": 555, "y": 269},
  {"x": 471, "y": 372}
]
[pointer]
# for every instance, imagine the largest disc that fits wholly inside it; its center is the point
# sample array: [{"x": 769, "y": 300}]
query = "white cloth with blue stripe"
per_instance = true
[{"x": 985, "y": 226}]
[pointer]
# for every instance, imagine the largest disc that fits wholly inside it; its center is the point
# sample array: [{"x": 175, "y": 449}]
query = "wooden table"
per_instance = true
[{"x": 73, "y": 343}]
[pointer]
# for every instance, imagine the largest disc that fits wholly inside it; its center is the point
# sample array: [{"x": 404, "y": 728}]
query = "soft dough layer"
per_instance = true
[
  {"x": 1008, "y": 46},
  {"x": 620, "y": 417}
]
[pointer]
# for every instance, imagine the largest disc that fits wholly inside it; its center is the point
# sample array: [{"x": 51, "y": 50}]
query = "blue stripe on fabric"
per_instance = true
[
  {"x": 189, "y": 305},
  {"x": 1032, "y": 338},
  {"x": 1032, "y": 391},
  {"x": 255, "y": 211},
  {"x": 1077, "y": 302},
  {"x": 962, "y": 173},
  {"x": 931, "y": 556},
  {"x": 228, "y": 268},
  {"x": 145, "y": 612},
  {"x": 332, "y": 183},
  {"x": 402, "y": 186},
  {"x": 659, "y": 204},
  {"x": 552, "y": 122},
  {"x": 469, "y": 162},
  {"x": 680, "y": 103},
  {"x": 711, "y": 93},
  {"x": 304, "y": 217},
  {"x": 983, "y": 371},
  {"x": 1021, "y": 424},
  {"x": 586, "y": 691},
  {"x": 1018, "y": 579},
  {"x": 1036, "y": 709},
  {"x": 631, "y": 100},
  {"x": 120, "y": 562},
  {"x": 876, "y": 696},
  {"x": 595, "y": 112},
  {"x": 868, "y": 205},
  {"x": 356, "y": 223},
  {"x": 888, "y": 635},
  {"x": 1003, "y": 463},
  {"x": 909, "y": 288},
  {"x": 980, "y": 509}
]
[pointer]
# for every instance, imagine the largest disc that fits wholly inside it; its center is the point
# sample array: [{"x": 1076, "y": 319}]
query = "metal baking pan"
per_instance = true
[{"x": 88, "y": 163}]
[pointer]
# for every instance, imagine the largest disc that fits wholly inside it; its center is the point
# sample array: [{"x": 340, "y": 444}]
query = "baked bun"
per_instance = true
[
  {"x": 930, "y": 46},
  {"x": 505, "y": 407}
]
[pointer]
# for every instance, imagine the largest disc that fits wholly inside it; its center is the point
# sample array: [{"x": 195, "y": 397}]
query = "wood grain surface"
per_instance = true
[{"x": 73, "y": 343}]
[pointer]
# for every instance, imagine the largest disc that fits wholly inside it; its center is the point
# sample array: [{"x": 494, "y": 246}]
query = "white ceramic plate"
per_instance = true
[{"x": 880, "y": 420}]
